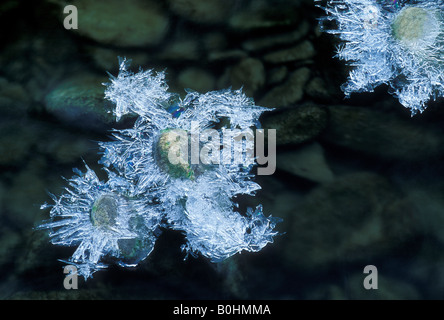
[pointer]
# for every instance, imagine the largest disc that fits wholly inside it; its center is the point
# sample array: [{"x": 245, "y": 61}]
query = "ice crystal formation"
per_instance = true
[
  {"x": 398, "y": 43},
  {"x": 119, "y": 220}
]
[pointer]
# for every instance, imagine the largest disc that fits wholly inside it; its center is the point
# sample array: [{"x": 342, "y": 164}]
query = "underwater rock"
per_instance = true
[
  {"x": 277, "y": 74},
  {"x": 9, "y": 241},
  {"x": 2, "y": 196},
  {"x": 427, "y": 196},
  {"x": 381, "y": 134},
  {"x": 227, "y": 55},
  {"x": 397, "y": 45},
  {"x": 27, "y": 191},
  {"x": 317, "y": 89},
  {"x": 180, "y": 50},
  {"x": 278, "y": 197},
  {"x": 234, "y": 281},
  {"x": 57, "y": 147},
  {"x": 35, "y": 61},
  {"x": 14, "y": 99},
  {"x": 277, "y": 39},
  {"x": 215, "y": 41},
  {"x": 290, "y": 92},
  {"x": 36, "y": 253},
  {"x": 257, "y": 17},
  {"x": 326, "y": 292},
  {"x": 307, "y": 162},
  {"x": 196, "y": 79},
  {"x": 21, "y": 138},
  {"x": 354, "y": 218},
  {"x": 16, "y": 139},
  {"x": 8, "y": 6},
  {"x": 202, "y": 11},
  {"x": 80, "y": 294},
  {"x": 107, "y": 58},
  {"x": 134, "y": 23},
  {"x": 249, "y": 73},
  {"x": 79, "y": 102},
  {"x": 425, "y": 270},
  {"x": 298, "y": 124},
  {"x": 302, "y": 51},
  {"x": 389, "y": 288}
]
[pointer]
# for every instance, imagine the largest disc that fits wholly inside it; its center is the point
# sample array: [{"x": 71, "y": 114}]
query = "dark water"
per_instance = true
[{"x": 358, "y": 181}]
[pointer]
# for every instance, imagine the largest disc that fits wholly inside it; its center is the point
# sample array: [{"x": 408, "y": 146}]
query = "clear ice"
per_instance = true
[{"x": 119, "y": 221}]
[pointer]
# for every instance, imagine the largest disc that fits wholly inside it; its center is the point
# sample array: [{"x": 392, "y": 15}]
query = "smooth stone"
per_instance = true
[
  {"x": 249, "y": 73},
  {"x": 9, "y": 242},
  {"x": 277, "y": 75},
  {"x": 278, "y": 39},
  {"x": 427, "y": 195},
  {"x": 16, "y": 141},
  {"x": 302, "y": 51},
  {"x": 317, "y": 89},
  {"x": 215, "y": 41},
  {"x": 68, "y": 148},
  {"x": 354, "y": 218},
  {"x": 80, "y": 101},
  {"x": 202, "y": 11},
  {"x": 389, "y": 288},
  {"x": 298, "y": 124},
  {"x": 2, "y": 196},
  {"x": 308, "y": 161},
  {"x": 107, "y": 59},
  {"x": 226, "y": 55},
  {"x": 261, "y": 18},
  {"x": 382, "y": 134},
  {"x": 14, "y": 99},
  {"x": 352, "y": 288},
  {"x": 27, "y": 193},
  {"x": 135, "y": 23},
  {"x": 196, "y": 79},
  {"x": 180, "y": 50},
  {"x": 289, "y": 92}
]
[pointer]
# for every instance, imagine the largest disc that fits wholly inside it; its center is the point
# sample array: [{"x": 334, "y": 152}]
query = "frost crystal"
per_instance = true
[
  {"x": 398, "y": 43},
  {"x": 119, "y": 220}
]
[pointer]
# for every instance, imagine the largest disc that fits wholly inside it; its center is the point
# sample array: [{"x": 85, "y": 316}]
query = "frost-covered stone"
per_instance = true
[
  {"x": 146, "y": 191},
  {"x": 396, "y": 44}
]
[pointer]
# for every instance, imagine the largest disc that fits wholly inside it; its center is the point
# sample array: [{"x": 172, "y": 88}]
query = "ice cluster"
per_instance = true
[
  {"x": 119, "y": 220},
  {"x": 398, "y": 43}
]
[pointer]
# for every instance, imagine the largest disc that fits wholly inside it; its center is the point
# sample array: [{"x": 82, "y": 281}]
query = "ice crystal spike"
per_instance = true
[
  {"x": 144, "y": 93},
  {"x": 398, "y": 43},
  {"x": 119, "y": 220}
]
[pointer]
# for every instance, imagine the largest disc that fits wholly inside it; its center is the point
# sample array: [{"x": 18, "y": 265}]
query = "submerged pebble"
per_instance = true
[
  {"x": 288, "y": 93},
  {"x": 307, "y": 162},
  {"x": 381, "y": 134},
  {"x": 134, "y": 23},
  {"x": 79, "y": 101},
  {"x": 298, "y": 124},
  {"x": 354, "y": 218}
]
